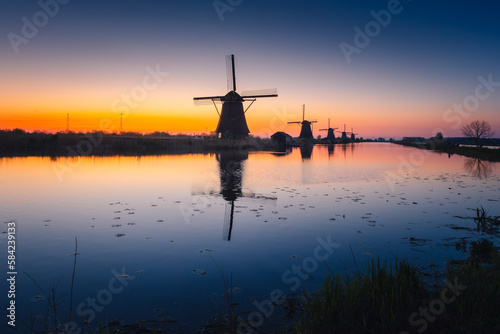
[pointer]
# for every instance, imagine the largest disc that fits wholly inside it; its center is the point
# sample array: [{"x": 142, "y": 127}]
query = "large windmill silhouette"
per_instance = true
[
  {"x": 232, "y": 122},
  {"x": 305, "y": 131},
  {"x": 330, "y": 136}
]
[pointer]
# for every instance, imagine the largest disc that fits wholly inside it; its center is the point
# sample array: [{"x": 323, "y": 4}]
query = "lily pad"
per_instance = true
[{"x": 199, "y": 272}]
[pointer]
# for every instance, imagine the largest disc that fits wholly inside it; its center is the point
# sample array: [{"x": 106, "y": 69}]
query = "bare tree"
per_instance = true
[{"x": 478, "y": 130}]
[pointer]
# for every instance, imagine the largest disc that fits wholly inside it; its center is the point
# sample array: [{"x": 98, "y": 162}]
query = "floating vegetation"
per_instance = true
[
  {"x": 199, "y": 272},
  {"x": 484, "y": 222},
  {"x": 119, "y": 235},
  {"x": 116, "y": 225},
  {"x": 122, "y": 276},
  {"x": 38, "y": 298},
  {"x": 234, "y": 290}
]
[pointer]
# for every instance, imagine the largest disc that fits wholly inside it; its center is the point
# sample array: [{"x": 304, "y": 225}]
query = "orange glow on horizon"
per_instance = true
[{"x": 263, "y": 120}]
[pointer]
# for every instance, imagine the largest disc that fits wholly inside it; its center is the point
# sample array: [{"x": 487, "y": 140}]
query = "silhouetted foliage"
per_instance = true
[{"x": 478, "y": 130}]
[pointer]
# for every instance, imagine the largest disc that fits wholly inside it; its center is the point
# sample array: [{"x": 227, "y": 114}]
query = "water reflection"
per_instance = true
[
  {"x": 231, "y": 170},
  {"x": 344, "y": 149},
  {"x": 231, "y": 165},
  {"x": 478, "y": 168},
  {"x": 282, "y": 153},
  {"x": 331, "y": 149},
  {"x": 306, "y": 150}
]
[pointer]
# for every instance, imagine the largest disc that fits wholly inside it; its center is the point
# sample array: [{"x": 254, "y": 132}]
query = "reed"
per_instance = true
[{"x": 377, "y": 300}]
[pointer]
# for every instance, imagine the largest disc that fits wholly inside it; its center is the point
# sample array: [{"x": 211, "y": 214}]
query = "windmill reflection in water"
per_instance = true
[{"x": 231, "y": 171}]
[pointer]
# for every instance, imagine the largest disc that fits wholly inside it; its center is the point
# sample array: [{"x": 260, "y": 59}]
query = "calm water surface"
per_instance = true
[{"x": 175, "y": 224}]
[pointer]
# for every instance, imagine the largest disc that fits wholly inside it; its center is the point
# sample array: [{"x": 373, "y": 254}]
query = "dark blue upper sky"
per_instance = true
[{"x": 430, "y": 54}]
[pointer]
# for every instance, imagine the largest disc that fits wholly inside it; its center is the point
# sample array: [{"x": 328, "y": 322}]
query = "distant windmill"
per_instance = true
[
  {"x": 232, "y": 122},
  {"x": 305, "y": 131},
  {"x": 331, "y": 135},
  {"x": 344, "y": 134},
  {"x": 67, "y": 122},
  {"x": 353, "y": 135}
]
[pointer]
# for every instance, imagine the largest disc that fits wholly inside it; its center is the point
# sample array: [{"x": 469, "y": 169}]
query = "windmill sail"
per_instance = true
[
  {"x": 250, "y": 94},
  {"x": 231, "y": 75}
]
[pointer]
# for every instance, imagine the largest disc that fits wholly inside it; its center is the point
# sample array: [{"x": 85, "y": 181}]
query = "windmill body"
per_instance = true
[
  {"x": 305, "y": 131},
  {"x": 232, "y": 121}
]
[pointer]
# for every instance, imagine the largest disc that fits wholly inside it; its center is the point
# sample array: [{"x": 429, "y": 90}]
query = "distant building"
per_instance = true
[{"x": 282, "y": 138}]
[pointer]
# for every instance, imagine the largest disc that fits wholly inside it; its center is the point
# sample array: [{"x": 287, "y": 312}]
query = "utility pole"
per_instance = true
[
  {"x": 121, "y": 123},
  {"x": 67, "y": 123}
]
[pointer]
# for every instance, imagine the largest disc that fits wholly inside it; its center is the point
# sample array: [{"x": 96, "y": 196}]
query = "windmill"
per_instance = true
[
  {"x": 305, "y": 131},
  {"x": 353, "y": 135},
  {"x": 331, "y": 135},
  {"x": 232, "y": 122},
  {"x": 344, "y": 135}
]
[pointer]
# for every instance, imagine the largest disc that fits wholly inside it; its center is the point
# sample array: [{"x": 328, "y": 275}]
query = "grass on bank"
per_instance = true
[{"x": 396, "y": 299}]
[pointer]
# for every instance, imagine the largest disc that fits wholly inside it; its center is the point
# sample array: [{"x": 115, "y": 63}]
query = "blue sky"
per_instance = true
[{"x": 426, "y": 59}]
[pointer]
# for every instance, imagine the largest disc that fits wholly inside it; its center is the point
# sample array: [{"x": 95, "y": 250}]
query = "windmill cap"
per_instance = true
[{"x": 233, "y": 96}]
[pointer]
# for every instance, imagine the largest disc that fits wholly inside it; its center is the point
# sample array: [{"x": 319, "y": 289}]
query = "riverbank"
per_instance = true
[
  {"x": 20, "y": 143},
  {"x": 487, "y": 154}
]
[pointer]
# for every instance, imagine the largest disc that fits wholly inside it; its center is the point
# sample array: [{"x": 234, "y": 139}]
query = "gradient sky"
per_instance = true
[{"x": 403, "y": 83}]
